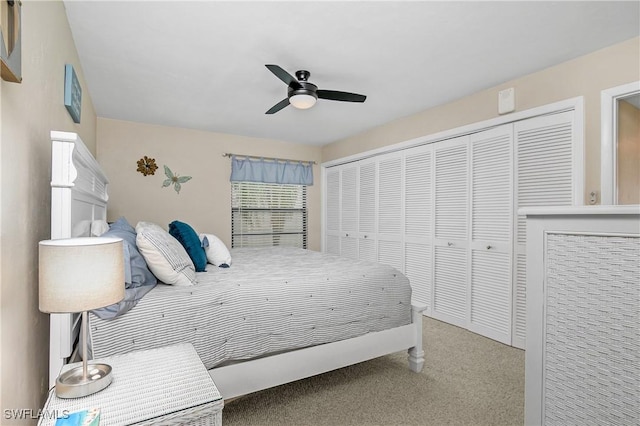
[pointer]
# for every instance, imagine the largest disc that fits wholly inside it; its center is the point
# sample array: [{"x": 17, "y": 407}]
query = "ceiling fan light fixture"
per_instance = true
[
  {"x": 303, "y": 101},
  {"x": 302, "y": 94}
]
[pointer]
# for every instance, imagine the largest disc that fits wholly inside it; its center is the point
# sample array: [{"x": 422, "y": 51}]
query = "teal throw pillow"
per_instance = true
[{"x": 185, "y": 234}]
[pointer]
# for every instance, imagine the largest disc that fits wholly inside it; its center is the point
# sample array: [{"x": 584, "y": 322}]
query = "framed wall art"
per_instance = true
[
  {"x": 72, "y": 93},
  {"x": 11, "y": 40}
]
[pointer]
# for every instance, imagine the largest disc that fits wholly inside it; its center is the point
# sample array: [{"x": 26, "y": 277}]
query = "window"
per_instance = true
[{"x": 266, "y": 215}]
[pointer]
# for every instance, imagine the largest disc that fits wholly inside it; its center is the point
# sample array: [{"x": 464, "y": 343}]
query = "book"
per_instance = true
[{"x": 90, "y": 417}]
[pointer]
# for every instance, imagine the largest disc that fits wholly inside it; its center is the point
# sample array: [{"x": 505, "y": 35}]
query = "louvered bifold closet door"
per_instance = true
[
  {"x": 390, "y": 219},
  {"x": 544, "y": 177},
  {"x": 349, "y": 211},
  {"x": 332, "y": 211},
  {"x": 367, "y": 247},
  {"x": 491, "y": 233},
  {"x": 451, "y": 236},
  {"x": 418, "y": 225}
]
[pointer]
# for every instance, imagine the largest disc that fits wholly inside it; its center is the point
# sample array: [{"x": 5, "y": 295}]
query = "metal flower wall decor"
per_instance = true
[
  {"x": 174, "y": 179},
  {"x": 147, "y": 166}
]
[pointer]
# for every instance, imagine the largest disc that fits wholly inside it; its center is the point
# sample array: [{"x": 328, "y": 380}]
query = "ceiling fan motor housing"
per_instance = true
[
  {"x": 303, "y": 75},
  {"x": 305, "y": 88}
]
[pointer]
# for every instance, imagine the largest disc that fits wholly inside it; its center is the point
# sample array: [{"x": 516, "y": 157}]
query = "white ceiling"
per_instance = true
[{"x": 200, "y": 65}]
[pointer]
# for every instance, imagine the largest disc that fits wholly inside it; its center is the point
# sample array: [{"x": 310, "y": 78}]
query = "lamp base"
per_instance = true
[{"x": 71, "y": 384}]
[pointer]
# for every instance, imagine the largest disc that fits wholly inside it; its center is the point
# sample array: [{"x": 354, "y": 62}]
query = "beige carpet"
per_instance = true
[{"x": 467, "y": 380}]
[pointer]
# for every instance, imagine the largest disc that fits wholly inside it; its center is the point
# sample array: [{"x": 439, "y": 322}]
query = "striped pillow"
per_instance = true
[{"x": 165, "y": 256}]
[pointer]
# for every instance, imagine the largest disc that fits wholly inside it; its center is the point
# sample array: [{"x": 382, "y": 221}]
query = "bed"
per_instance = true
[{"x": 275, "y": 316}]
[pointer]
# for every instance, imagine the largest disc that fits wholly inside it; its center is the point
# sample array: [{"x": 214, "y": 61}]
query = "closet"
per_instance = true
[{"x": 445, "y": 214}]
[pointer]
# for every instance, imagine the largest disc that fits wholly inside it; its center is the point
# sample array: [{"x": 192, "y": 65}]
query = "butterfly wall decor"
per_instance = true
[{"x": 174, "y": 179}]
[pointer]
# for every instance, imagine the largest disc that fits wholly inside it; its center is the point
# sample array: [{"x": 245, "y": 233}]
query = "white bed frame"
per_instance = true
[{"x": 79, "y": 196}]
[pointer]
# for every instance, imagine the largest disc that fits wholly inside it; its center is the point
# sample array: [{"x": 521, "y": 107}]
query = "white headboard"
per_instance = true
[{"x": 78, "y": 197}]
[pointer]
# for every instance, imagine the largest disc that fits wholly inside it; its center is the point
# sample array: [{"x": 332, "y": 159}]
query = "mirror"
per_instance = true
[{"x": 620, "y": 170}]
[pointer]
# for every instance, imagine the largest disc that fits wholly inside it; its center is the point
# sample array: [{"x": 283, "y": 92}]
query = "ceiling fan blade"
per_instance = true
[
  {"x": 288, "y": 79},
  {"x": 277, "y": 107},
  {"x": 334, "y": 95}
]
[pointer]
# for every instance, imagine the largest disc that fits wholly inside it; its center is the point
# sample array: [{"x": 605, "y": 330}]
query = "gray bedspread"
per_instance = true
[{"x": 269, "y": 300}]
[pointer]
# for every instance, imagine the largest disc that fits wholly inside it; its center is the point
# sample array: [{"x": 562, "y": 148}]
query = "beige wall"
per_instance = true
[
  {"x": 29, "y": 111},
  {"x": 628, "y": 153},
  {"x": 585, "y": 76},
  {"x": 205, "y": 201}
]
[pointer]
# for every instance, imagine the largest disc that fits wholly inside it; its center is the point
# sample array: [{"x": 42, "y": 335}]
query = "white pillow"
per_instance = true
[
  {"x": 99, "y": 227},
  {"x": 165, "y": 256},
  {"x": 81, "y": 229},
  {"x": 143, "y": 224},
  {"x": 217, "y": 252}
]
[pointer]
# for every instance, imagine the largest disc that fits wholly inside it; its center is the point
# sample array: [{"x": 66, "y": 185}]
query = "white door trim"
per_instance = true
[{"x": 609, "y": 137}]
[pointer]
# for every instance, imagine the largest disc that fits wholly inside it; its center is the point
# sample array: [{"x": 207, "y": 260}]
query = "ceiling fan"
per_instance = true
[{"x": 302, "y": 94}]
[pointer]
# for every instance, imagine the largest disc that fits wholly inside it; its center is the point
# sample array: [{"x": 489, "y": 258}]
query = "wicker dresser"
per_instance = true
[
  {"x": 166, "y": 386},
  {"x": 583, "y": 316}
]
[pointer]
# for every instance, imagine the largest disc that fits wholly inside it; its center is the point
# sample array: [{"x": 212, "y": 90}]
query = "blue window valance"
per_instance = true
[{"x": 271, "y": 171}]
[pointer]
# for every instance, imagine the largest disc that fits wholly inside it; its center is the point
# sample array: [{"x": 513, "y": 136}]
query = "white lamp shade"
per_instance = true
[
  {"x": 302, "y": 101},
  {"x": 80, "y": 274}
]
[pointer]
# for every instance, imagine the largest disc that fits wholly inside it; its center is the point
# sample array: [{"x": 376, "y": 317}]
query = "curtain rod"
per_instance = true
[{"x": 228, "y": 154}]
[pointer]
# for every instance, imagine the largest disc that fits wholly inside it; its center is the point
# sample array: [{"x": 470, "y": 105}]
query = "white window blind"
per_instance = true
[{"x": 266, "y": 215}]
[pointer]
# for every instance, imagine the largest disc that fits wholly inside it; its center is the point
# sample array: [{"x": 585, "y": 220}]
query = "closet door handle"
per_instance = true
[
  {"x": 366, "y": 236},
  {"x": 449, "y": 243},
  {"x": 489, "y": 247}
]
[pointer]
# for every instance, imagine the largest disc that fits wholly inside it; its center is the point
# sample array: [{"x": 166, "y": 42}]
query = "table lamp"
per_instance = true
[{"x": 77, "y": 275}]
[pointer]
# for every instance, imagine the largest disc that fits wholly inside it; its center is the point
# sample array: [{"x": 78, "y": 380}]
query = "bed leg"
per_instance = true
[{"x": 416, "y": 353}]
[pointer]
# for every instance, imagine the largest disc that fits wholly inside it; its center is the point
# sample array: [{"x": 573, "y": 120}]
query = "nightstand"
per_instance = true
[{"x": 162, "y": 386}]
